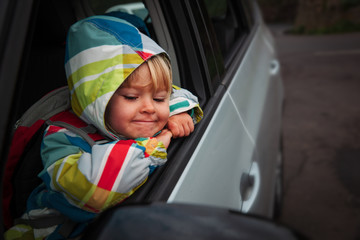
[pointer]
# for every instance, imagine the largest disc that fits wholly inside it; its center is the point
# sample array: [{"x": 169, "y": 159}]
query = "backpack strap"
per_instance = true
[
  {"x": 69, "y": 120},
  {"x": 82, "y": 132},
  {"x": 51, "y": 104}
]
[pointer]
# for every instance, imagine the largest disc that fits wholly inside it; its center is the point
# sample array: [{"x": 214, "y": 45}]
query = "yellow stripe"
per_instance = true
[
  {"x": 114, "y": 80},
  {"x": 116, "y": 197},
  {"x": 103, "y": 199},
  {"x": 75, "y": 183},
  {"x": 20, "y": 231},
  {"x": 159, "y": 154},
  {"x": 176, "y": 87},
  {"x": 198, "y": 113},
  {"x": 100, "y": 66},
  {"x": 89, "y": 91},
  {"x": 88, "y": 195},
  {"x": 71, "y": 179},
  {"x": 76, "y": 105}
]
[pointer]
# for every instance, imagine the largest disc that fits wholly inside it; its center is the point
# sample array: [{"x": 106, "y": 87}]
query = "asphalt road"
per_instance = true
[{"x": 321, "y": 134}]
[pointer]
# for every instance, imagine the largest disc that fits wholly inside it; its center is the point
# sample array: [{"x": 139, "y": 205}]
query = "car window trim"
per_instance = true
[{"x": 240, "y": 48}]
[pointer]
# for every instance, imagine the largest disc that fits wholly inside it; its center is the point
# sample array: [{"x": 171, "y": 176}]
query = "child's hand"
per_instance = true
[
  {"x": 164, "y": 137},
  {"x": 180, "y": 125}
]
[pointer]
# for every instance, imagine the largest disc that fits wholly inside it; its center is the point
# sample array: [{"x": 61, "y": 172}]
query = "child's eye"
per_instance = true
[
  {"x": 159, "y": 99},
  {"x": 130, "y": 97}
]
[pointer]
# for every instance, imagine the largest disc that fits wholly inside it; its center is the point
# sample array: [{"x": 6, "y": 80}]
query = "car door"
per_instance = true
[
  {"x": 230, "y": 160},
  {"x": 212, "y": 165},
  {"x": 258, "y": 94}
]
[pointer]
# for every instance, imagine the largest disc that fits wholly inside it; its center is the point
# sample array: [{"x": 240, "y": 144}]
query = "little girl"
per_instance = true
[{"x": 120, "y": 82}]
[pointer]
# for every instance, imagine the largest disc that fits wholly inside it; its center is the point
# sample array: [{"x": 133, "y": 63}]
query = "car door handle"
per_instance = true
[
  {"x": 246, "y": 186},
  {"x": 249, "y": 187},
  {"x": 274, "y": 67}
]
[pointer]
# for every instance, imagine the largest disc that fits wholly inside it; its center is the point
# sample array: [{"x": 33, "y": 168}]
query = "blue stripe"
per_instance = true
[
  {"x": 152, "y": 168},
  {"x": 101, "y": 30},
  {"x": 124, "y": 33},
  {"x": 77, "y": 141},
  {"x": 56, "y": 146}
]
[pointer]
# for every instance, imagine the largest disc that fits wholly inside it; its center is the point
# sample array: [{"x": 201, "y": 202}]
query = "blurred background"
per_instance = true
[
  {"x": 314, "y": 16},
  {"x": 318, "y": 43}
]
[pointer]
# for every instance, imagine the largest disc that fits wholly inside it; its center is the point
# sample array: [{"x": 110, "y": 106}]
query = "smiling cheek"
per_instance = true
[
  {"x": 150, "y": 130},
  {"x": 164, "y": 116},
  {"x": 122, "y": 116},
  {"x": 119, "y": 116}
]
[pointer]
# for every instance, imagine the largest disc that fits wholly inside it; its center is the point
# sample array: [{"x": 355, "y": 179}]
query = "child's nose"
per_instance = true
[{"x": 147, "y": 106}]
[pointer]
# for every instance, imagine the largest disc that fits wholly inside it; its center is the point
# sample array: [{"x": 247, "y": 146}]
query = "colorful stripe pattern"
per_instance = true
[
  {"x": 102, "y": 51},
  {"x": 81, "y": 180},
  {"x": 100, "y": 179},
  {"x": 182, "y": 100}
]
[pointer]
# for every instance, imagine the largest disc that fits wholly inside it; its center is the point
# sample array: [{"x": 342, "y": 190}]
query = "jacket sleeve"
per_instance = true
[
  {"x": 181, "y": 100},
  {"x": 95, "y": 178}
]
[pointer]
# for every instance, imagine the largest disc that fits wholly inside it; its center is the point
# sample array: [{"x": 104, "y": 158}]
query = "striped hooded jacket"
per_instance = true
[{"x": 79, "y": 180}]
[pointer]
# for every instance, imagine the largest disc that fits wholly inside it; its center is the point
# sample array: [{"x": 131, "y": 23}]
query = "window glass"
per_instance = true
[
  {"x": 129, "y": 6},
  {"x": 138, "y": 8},
  {"x": 216, "y": 9},
  {"x": 227, "y": 22}
]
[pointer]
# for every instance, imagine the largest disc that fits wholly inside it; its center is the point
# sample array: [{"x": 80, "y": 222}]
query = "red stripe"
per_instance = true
[
  {"x": 91, "y": 208},
  {"x": 144, "y": 55},
  {"x": 114, "y": 164},
  {"x": 52, "y": 130}
]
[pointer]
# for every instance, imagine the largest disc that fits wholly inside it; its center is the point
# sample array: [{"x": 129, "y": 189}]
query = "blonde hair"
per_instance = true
[
  {"x": 160, "y": 71},
  {"x": 161, "y": 79}
]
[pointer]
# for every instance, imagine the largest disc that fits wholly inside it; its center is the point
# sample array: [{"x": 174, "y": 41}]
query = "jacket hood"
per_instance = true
[{"x": 101, "y": 52}]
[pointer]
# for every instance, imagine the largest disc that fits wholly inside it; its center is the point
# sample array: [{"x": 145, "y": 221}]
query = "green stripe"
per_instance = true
[
  {"x": 179, "y": 105},
  {"x": 89, "y": 91},
  {"x": 100, "y": 66}
]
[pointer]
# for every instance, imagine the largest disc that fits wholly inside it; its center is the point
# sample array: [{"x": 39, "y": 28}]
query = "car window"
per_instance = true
[
  {"x": 130, "y": 6},
  {"x": 205, "y": 36},
  {"x": 133, "y": 7},
  {"x": 162, "y": 30},
  {"x": 139, "y": 9},
  {"x": 229, "y": 25}
]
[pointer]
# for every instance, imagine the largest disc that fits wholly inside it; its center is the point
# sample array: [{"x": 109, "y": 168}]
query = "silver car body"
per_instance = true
[{"x": 242, "y": 138}]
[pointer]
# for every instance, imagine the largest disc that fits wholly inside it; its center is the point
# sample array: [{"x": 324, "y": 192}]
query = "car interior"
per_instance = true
[{"x": 42, "y": 68}]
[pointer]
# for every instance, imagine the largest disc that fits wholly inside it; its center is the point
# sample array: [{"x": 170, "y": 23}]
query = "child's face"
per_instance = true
[{"x": 136, "y": 110}]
